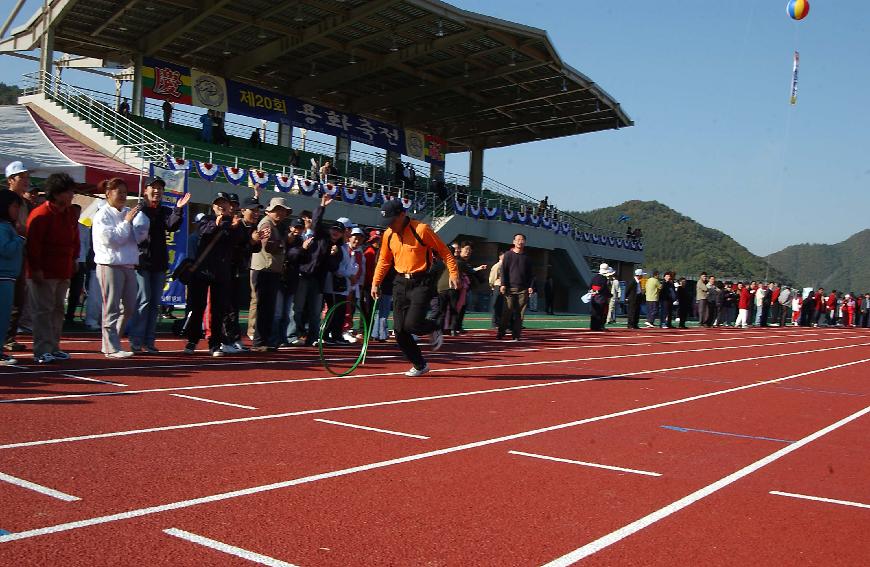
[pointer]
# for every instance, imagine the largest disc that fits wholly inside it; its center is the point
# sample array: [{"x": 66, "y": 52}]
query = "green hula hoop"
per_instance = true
[{"x": 368, "y": 326}]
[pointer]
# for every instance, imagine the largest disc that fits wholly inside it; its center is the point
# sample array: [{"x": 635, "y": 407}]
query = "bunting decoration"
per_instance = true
[
  {"x": 508, "y": 215},
  {"x": 407, "y": 203},
  {"x": 207, "y": 171},
  {"x": 284, "y": 182},
  {"x": 370, "y": 198},
  {"x": 565, "y": 228},
  {"x": 546, "y": 222},
  {"x": 491, "y": 212},
  {"x": 474, "y": 210},
  {"x": 522, "y": 216},
  {"x": 329, "y": 189},
  {"x": 459, "y": 208},
  {"x": 259, "y": 178},
  {"x": 534, "y": 219},
  {"x": 349, "y": 194},
  {"x": 307, "y": 186},
  {"x": 175, "y": 163},
  {"x": 587, "y": 237},
  {"x": 234, "y": 175},
  {"x": 619, "y": 243}
]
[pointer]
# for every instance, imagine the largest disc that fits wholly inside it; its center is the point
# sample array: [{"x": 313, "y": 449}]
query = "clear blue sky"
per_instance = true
[{"x": 707, "y": 84}]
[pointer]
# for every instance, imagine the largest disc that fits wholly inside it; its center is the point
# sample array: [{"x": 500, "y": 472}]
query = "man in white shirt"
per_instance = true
[{"x": 116, "y": 253}]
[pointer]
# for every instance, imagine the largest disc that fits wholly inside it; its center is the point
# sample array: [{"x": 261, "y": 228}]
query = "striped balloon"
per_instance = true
[{"x": 798, "y": 9}]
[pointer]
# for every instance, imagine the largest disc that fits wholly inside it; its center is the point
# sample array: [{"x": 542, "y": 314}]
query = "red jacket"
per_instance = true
[
  {"x": 819, "y": 301},
  {"x": 775, "y": 295},
  {"x": 743, "y": 303},
  {"x": 52, "y": 242},
  {"x": 832, "y": 301}
]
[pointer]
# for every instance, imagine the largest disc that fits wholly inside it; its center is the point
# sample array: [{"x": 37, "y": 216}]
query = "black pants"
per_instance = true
[
  {"x": 497, "y": 308},
  {"x": 76, "y": 284},
  {"x": 447, "y": 301},
  {"x": 765, "y": 311},
  {"x": 411, "y": 301},
  {"x": 197, "y": 297},
  {"x": 266, "y": 286},
  {"x": 334, "y": 331},
  {"x": 666, "y": 313},
  {"x": 598, "y": 313},
  {"x": 633, "y": 313},
  {"x": 550, "y": 297},
  {"x": 715, "y": 313},
  {"x": 684, "y": 311},
  {"x": 240, "y": 297},
  {"x": 516, "y": 301}
]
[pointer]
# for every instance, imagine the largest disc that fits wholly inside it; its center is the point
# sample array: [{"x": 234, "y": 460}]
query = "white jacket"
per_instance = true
[
  {"x": 346, "y": 268},
  {"x": 116, "y": 241}
]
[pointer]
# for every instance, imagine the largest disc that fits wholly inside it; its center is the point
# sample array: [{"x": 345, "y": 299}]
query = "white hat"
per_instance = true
[
  {"x": 276, "y": 202},
  {"x": 357, "y": 230},
  {"x": 198, "y": 217},
  {"x": 15, "y": 168},
  {"x": 639, "y": 272},
  {"x": 604, "y": 269},
  {"x": 346, "y": 222}
]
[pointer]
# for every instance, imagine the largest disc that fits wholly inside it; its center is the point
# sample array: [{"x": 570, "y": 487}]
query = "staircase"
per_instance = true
[{"x": 91, "y": 122}]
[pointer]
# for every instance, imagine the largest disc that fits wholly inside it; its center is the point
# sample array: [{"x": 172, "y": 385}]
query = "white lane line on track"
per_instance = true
[
  {"x": 228, "y": 549},
  {"x": 662, "y": 513},
  {"x": 445, "y": 354},
  {"x": 213, "y": 401},
  {"x": 354, "y": 426},
  {"x": 407, "y": 459},
  {"x": 820, "y": 499},
  {"x": 37, "y": 488},
  {"x": 584, "y": 463},
  {"x": 435, "y": 397},
  {"x": 449, "y": 369},
  {"x": 86, "y": 379}
]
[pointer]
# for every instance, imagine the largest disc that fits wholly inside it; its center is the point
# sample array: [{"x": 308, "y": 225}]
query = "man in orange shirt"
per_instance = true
[{"x": 408, "y": 246}]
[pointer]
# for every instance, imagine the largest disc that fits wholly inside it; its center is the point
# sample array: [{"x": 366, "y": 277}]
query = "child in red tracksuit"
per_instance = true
[{"x": 848, "y": 311}]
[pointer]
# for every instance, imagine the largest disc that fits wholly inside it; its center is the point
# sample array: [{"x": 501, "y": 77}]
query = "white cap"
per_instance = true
[
  {"x": 346, "y": 222},
  {"x": 198, "y": 217},
  {"x": 604, "y": 269},
  {"x": 357, "y": 230},
  {"x": 15, "y": 168},
  {"x": 639, "y": 272}
]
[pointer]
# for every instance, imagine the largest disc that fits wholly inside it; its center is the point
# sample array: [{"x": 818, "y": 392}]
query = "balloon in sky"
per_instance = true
[{"x": 798, "y": 9}]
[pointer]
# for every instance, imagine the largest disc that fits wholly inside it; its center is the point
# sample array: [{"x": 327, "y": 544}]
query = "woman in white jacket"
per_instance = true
[{"x": 116, "y": 253}]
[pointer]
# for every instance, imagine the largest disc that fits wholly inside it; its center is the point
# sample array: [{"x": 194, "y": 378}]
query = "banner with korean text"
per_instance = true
[{"x": 174, "y": 293}]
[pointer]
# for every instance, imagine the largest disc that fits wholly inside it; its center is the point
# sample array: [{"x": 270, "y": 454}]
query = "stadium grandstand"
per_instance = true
[{"x": 384, "y": 90}]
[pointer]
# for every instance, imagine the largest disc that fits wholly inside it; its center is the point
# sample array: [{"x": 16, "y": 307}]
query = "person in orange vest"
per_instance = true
[{"x": 408, "y": 246}]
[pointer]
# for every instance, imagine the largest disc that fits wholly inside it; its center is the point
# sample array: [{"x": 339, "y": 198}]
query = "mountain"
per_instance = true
[
  {"x": 676, "y": 242},
  {"x": 9, "y": 94},
  {"x": 844, "y": 266}
]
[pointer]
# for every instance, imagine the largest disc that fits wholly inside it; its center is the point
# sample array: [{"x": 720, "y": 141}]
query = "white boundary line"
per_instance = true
[
  {"x": 446, "y": 369},
  {"x": 86, "y": 379},
  {"x": 820, "y": 499},
  {"x": 228, "y": 549},
  {"x": 439, "y": 396},
  {"x": 634, "y": 527},
  {"x": 213, "y": 401},
  {"x": 354, "y": 426},
  {"x": 37, "y": 488},
  {"x": 418, "y": 457},
  {"x": 584, "y": 463}
]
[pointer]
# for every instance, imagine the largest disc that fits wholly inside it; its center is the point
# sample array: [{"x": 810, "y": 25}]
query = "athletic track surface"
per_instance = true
[{"x": 652, "y": 447}]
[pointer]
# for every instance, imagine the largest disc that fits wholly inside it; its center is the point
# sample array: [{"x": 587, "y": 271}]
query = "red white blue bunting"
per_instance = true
[
  {"x": 177, "y": 163},
  {"x": 284, "y": 182},
  {"x": 619, "y": 243},
  {"x": 546, "y": 222},
  {"x": 534, "y": 219},
  {"x": 235, "y": 175},
  {"x": 259, "y": 178},
  {"x": 329, "y": 189},
  {"x": 307, "y": 187},
  {"x": 474, "y": 210},
  {"x": 459, "y": 208},
  {"x": 370, "y": 198},
  {"x": 508, "y": 215},
  {"x": 349, "y": 194},
  {"x": 565, "y": 228},
  {"x": 407, "y": 203},
  {"x": 491, "y": 212},
  {"x": 522, "y": 217},
  {"x": 207, "y": 171}
]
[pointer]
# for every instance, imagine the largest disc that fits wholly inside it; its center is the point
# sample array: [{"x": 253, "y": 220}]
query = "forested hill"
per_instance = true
[
  {"x": 844, "y": 266},
  {"x": 676, "y": 242}
]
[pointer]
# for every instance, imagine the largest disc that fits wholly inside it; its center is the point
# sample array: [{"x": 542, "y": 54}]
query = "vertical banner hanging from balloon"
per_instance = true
[{"x": 794, "y": 78}]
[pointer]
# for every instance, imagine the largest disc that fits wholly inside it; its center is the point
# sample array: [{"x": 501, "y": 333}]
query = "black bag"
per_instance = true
[{"x": 188, "y": 269}]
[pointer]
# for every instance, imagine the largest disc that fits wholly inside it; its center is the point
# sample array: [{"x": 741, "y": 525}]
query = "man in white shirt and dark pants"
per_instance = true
[{"x": 116, "y": 253}]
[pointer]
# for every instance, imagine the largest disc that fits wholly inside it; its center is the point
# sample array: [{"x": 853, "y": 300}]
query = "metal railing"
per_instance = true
[{"x": 132, "y": 137}]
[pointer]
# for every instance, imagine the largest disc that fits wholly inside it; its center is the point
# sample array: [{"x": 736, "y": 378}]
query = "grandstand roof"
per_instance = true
[{"x": 471, "y": 79}]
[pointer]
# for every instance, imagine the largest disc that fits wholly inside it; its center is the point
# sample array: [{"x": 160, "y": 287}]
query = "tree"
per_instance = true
[{"x": 9, "y": 94}]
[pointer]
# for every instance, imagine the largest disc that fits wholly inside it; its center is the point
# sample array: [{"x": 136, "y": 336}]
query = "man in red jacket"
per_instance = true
[
  {"x": 52, "y": 246},
  {"x": 831, "y": 306},
  {"x": 819, "y": 303}
]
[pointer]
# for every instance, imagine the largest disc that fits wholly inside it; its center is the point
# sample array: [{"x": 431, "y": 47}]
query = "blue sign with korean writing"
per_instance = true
[
  {"x": 341, "y": 125},
  {"x": 251, "y": 101},
  {"x": 174, "y": 292}
]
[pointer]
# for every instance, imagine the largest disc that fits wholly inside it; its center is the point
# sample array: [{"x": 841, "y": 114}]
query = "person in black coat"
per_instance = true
[
  {"x": 600, "y": 289},
  {"x": 667, "y": 298},
  {"x": 684, "y": 302},
  {"x": 634, "y": 296}
]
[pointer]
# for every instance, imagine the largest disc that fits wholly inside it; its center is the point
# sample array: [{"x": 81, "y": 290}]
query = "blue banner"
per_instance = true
[
  {"x": 255, "y": 102},
  {"x": 174, "y": 293},
  {"x": 341, "y": 125}
]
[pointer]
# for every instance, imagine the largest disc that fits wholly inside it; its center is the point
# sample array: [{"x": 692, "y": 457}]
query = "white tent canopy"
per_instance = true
[{"x": 21, "y": 139}]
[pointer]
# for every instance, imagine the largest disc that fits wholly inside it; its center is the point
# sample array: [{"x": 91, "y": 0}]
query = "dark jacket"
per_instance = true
[
  {"x": 632, "y": 293},
  {"x": 218, "y": 263},
  {"x": 313, "y": 263},
  {"x": 153, "y": 251}
]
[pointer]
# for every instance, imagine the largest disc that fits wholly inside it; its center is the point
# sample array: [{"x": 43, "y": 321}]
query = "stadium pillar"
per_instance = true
[
  {"x": 285, "y": 135},
  {"x": 436, "y": 171},
  {"x": 342, "y": 154},
  {"x": 138, "y": 103},
  {"x": 46, "y": 53},
  {"x": 394, "y": 159},
  {"x": 475, "y": 169}
]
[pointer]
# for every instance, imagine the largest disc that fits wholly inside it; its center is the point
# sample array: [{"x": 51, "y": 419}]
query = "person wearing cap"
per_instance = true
[
  {"x": 285, "y": 332},
  {"x": 159, "y": 221},
  {"x": 116, "y": 239},
  {"x": 52, "y": 246},
  {"x": 354, "y": 247},
  {"x": 241, "y": 291},
  {"x": 210, "y": 284},
  {"x": 408, "y": 246},
  {"x": 337, "y": 283},
  {"x": 11, "y": 259},
  {"x": 652, "y": 290},
  {"x": 600, "y": 298},
  {"x": 314, "y": 263},
  {"x": 615, "y": 292},
  {"x": 634, "y": 296},
  {"x": 267, "y": 265},
  {"x": 18, "y": 178}
]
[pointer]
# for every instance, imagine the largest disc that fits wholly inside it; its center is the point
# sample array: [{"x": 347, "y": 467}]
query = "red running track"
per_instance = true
[{"x": 713, "y": 447}]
